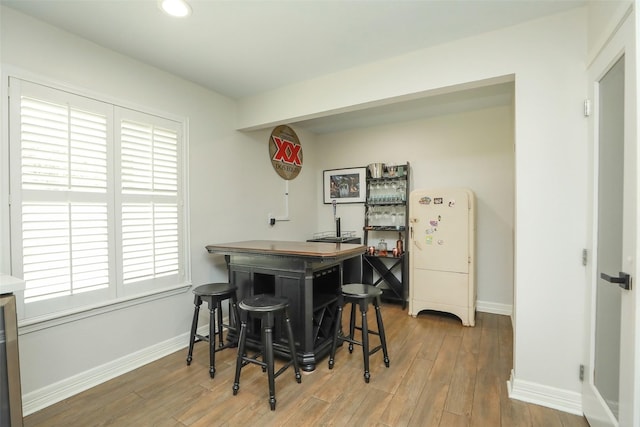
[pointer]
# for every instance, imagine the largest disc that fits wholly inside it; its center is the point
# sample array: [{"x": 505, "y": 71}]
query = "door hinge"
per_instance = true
[
  {"x": 587, "y": 107},
  {"x": 584, "y": 257},
  {"x": 581, "y": 372}
]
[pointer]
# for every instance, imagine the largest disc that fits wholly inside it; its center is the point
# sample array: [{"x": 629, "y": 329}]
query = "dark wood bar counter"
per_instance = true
[{"x": 309, "y": 274}]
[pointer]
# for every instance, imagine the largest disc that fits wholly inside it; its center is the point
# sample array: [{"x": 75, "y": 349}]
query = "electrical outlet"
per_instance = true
[{"x": 271, "y": 220}]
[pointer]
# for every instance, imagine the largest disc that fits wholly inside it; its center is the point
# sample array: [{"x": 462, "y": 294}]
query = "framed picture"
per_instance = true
[{"x": 345, "y": 185}]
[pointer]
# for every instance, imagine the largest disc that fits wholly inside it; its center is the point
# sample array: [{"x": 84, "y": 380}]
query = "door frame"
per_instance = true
[{"x": 622, "y": 42}]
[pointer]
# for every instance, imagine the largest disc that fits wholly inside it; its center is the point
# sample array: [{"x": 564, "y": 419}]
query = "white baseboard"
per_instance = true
[
  {"x": 551, "y": 397},
  {"x": 54, "y": 393},
  {"x": 494, "y": 308}
]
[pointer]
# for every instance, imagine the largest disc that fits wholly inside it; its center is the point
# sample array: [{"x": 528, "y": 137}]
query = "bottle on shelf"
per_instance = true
[
  {"x": 382, "y": 248},
  {"x": 399, "y": 245}
]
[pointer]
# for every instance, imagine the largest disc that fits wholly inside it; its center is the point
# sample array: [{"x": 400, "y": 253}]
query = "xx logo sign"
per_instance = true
[{"x": 285, "y": 152}]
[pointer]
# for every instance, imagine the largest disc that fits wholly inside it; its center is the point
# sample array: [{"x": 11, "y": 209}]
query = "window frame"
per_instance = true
[{"x": 117, "y": 293}]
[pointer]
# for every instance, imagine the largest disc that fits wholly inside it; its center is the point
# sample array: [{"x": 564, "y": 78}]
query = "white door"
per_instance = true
[{"x": 609, "y": 383}]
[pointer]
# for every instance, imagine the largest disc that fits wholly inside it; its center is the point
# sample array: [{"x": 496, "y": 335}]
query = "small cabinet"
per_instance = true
[{"x": 385, "y": 224}]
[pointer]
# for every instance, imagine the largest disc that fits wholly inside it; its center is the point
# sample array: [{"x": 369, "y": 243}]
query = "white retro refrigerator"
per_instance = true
[{"x": 442, "y": 253}]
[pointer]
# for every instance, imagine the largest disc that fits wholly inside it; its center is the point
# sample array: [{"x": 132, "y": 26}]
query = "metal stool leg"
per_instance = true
[
  {"x": 239, "y": 360},
  {"x": 365, "y": 339},
  {"x": 352, "y": 325},
  {"x": 267, "y": 344},
  {"x": 292, "y": 347},
  {"x": 194, "y": 326},
  {"x": 383, "y": 338},
  {"x": 235, "y": 323},
  {"x": 212, "y": 339},
  {"x": 336, "y": 333},
  {"x": 219, "y": 319}
]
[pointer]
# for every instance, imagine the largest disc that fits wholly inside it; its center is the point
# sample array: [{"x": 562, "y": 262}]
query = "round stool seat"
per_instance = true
[
  {"x": 214, "y": 289},
  {"x": 264, "y": 303},
  {"x": 361, "y": 290}
]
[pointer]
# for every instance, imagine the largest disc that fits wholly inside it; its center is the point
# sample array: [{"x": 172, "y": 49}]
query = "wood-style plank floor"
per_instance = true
[{"x": 441, "y": 374}]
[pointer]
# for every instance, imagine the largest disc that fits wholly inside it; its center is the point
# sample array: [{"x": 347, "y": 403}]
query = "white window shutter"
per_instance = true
[
  {"x": 65, "y": 236},
  {"x": 149, "y": 159},
  {"x": 150, "y": 218},
  {"x": 96, "y": 204},
  {"x": 63, "y": 148}
]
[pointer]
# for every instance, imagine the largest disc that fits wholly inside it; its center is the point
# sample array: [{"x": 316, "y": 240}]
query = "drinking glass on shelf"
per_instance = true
[
  {"x": 386, "y": 215},
  {"x": 394, "y": 192},
  {"x": 378, "y": 192},
  {"x": 385, "y": 190},
  {"x": 376, "y": 215}
]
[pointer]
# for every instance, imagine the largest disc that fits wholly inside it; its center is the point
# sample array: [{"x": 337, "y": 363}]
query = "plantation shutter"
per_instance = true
[
  {"x": 150, "y": 182},
  {"x": 96, "y": 199},
  {"x": 64, "y": 182}
]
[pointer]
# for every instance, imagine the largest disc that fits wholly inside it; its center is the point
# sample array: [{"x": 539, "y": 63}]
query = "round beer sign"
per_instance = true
[{"x": 285, "y": 152}]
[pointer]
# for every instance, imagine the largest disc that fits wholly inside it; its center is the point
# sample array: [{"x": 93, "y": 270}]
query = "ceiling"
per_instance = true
[{"x": 240, "y": 48}]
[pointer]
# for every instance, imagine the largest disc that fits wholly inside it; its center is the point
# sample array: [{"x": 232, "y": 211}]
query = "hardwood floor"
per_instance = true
[{"x": 441, "y": 374}]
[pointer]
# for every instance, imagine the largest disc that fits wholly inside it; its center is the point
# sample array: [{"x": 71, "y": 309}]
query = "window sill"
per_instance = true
[{"x": 43, "y": 322}]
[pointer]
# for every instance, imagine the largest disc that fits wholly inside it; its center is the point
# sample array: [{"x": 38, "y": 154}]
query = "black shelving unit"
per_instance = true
[{"x": 387, "y": 217}]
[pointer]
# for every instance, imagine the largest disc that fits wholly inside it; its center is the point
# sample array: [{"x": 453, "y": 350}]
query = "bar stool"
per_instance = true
[
  {"x": 265, "y": 307},
  {"x": 361, "y": 295},
  {"x": 213, "y": 294}
]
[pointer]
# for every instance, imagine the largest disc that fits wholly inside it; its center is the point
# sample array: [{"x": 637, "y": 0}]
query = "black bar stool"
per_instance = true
[
  {"x": 213, "y": 294},
  {"x": 361, "y": 295},
  {"x": 265, "y": 307}
]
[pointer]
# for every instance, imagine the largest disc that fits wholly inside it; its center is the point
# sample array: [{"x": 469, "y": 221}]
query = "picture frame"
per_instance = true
[{"x": 345, "y": 185}]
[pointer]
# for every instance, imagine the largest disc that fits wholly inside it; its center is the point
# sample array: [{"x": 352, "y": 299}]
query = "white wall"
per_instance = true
[
  {"x": 232, "y": 189},
  {"x": 472, "y": 149},
  {"x": 547, "y": 57}
]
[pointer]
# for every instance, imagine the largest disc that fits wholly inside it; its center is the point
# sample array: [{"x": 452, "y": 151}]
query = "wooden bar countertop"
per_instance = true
[{"x": 318, "y": 250}]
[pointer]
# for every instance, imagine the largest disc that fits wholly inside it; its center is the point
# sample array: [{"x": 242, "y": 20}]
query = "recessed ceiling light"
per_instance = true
[{"x": 177, "y": 8}]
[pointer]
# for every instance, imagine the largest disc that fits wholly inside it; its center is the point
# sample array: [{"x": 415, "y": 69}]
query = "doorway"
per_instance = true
[{"x": 608, "y": 385}]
